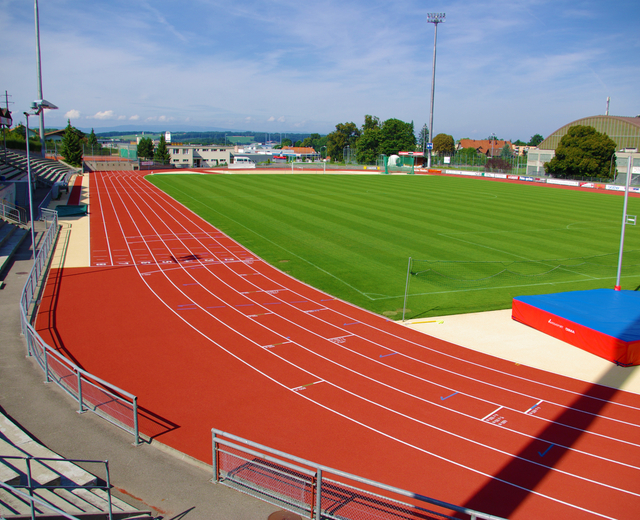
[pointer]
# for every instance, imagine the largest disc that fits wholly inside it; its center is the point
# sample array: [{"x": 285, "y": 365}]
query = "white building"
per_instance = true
[{"x": 199, "y": 156}]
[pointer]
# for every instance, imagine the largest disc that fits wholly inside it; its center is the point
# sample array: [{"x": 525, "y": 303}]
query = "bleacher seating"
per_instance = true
[
  {"x": 11, "y": 236},
  {"x": 68, "y": 486},
  {"x": 46, "y": 171}
]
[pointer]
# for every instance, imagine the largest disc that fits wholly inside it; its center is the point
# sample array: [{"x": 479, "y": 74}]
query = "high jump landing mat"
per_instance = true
[{"x": 604, "y": 322}]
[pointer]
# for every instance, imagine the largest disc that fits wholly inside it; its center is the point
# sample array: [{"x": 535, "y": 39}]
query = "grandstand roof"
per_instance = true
[{"x": 625, "y": 131}]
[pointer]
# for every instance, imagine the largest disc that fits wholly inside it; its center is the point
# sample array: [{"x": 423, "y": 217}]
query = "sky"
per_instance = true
[{"x": 511, "y": 68}]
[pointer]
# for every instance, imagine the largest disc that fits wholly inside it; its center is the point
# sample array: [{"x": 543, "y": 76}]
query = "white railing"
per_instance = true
[
  {"x": 13, "y": 213},
  {"x": 305, "y": 487},
  {"x": 92, "y": 393}
]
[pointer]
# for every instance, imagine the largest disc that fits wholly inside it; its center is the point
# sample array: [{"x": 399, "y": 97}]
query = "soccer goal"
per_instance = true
[{"x": 398, "y": 164}]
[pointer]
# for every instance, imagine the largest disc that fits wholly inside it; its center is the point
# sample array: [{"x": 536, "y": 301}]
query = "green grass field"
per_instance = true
[{"x": 352, "y": 235}]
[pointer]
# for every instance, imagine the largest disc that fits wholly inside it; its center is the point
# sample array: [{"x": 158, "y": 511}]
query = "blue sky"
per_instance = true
[{"x": 513, "y": 68}]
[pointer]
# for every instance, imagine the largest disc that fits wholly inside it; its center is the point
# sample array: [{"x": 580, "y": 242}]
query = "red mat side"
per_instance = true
[{"x": 585, "y": 338}]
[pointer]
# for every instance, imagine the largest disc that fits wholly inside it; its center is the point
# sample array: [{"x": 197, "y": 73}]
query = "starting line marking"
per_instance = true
[
  {"x": 492, "y": 413},
  {"x": 276, "y": 344},
  {"x": 299, "y": 388},
  {"x": 529, "y": 410}
]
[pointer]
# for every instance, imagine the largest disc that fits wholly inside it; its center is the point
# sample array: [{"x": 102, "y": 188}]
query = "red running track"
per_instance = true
[{"x": 208, "y": 335}]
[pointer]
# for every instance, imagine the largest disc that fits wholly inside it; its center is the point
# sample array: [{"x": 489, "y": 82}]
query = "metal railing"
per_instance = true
[
  {"x": 34, "y": 500},
  {"x": 303, "y": 487},
  {"x": 92, "y": 393},
  {"x": 32, "y": 487},
  {"x": 13, "y": 213}
]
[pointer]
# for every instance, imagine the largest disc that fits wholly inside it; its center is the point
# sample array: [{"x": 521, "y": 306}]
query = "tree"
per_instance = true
[
  {"x": 443, "y": 144},
  {"x": 368, "y": 143},
  {"x": 161, "y": 154},
  {"x": 145, "y": 148},
  {"x": 423, "y": 138},
  {"x": 286, "y": 142},
  {"x": 535, "y": 140},
  {"x": 467, "y": 155},
  {"x": 396, "y": 136},
  {"x": 71, "y": 148},
  {"x": 92, "y": 142},
  {"x": 506, "y": 152},
  {"x": 582, "y": 152},
  {"x": 498, "y": 163},
  {"x": 315, "y": 141},
  {"x": 345, "y": 135}
]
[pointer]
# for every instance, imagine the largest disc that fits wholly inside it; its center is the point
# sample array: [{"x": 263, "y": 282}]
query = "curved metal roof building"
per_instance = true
[{"x": 625, "y": 131}]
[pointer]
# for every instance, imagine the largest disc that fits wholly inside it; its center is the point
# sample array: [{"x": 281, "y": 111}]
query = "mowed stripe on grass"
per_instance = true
[{"x": 352, "y": 235}]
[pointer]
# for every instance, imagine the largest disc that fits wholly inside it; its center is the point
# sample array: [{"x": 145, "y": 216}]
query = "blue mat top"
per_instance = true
[{"x": 616, "y": 313}]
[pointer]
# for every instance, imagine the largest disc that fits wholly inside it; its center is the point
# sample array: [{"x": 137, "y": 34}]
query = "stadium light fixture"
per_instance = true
[
  {"x": 36, "y": 16},
  {"x": 37, "y": 108},
  {"x": 435, "y": 19}
]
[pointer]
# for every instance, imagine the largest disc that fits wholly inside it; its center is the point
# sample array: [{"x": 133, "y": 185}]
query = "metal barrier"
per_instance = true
[
  {"x": 303, "y": 487},
  {"x": 32, "y": 486},
  {"x": 13, "y": 213},
  {"x": 92, "y": 393}
]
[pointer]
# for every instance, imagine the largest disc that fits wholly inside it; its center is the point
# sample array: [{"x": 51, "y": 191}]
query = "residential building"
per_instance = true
[
  {"x": 199, "y": 156},
  {"x": 488, "y": 147}
]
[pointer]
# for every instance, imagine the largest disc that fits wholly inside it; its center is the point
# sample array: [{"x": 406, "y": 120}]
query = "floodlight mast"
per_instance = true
[
  {"x": 43, "y": 148},
  {"x": 435, "y": 19}
]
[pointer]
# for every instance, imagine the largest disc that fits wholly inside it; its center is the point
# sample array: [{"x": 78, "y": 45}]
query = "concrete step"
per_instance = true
[
  {"x": 66, "y": 501},
  {"x": 11, "y": 504},
  {"x": 6, "y": 230},
  {"x": 40, "y": 473},
  {"x": 15, "y": 441},
  {"x": 100, "y": 499},
  {"x": 8, "y": 474}
]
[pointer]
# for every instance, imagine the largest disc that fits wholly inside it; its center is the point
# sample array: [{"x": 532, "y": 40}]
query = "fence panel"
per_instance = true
[
  {"x": 304, "y": 487},
  {"x": 91, "y": 393}
]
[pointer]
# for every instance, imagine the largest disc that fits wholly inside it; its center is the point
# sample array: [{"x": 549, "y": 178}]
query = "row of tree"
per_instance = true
[
  {"x": 371, "y": 140},
  {"x": 147, "y": 150}
]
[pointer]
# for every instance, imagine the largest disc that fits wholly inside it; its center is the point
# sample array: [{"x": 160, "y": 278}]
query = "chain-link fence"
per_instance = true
[
  {"x": 318, "y": 491},
  {"x": 91, "y": 393}
]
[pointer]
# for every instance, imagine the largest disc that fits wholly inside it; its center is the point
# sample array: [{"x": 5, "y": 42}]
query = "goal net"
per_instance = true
[{"x": 398, "y": 164}]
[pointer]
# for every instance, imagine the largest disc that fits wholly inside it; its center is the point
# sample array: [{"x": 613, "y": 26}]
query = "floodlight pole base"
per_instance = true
[{"x": 618, "y": 288}]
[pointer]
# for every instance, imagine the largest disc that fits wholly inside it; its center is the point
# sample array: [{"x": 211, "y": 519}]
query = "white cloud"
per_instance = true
[
  {"x": 281, "y": 119},
  {"x": 122, "y": 118},
  {"x": 72, "y": 114},
  {"x": 107, "y": 114},
  {"x": 134, "y": 118},
  {"x": 271, "y": 119}
]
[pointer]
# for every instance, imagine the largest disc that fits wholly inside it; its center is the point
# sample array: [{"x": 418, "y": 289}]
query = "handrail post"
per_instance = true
[
  {"x": 46, "y": 365},
  {"x": 33, "y": 504},
  {"x": 318, "y": 512},
  {"x": 106, "y": 465},
  {"x": 214, "y": 446},
  {"x": 136, "y": 430},
  {"x": 81, "y": 409}
]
